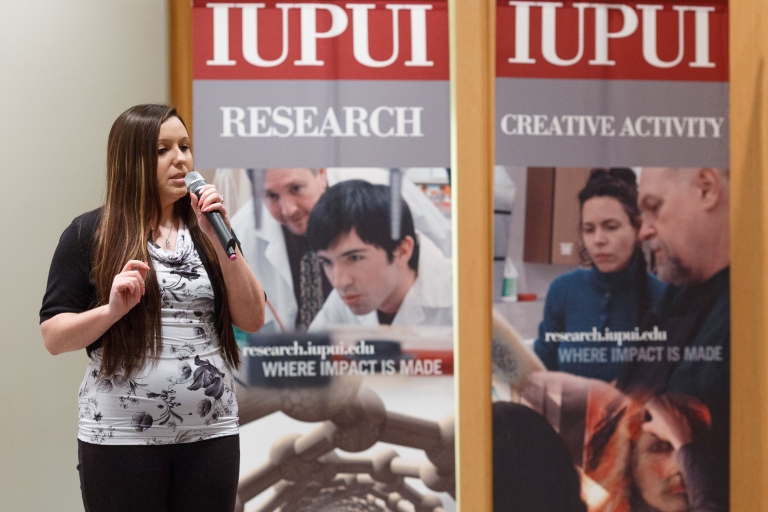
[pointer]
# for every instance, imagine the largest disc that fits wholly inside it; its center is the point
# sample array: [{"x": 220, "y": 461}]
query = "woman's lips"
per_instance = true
[
  {"x": 677, "y": 488},
  {"x": 675, "y": 485}
]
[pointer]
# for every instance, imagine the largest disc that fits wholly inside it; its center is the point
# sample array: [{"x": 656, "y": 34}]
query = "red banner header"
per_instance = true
[
  {"x": 324, "y": 40},
  {"x": 613, "y": 40}
]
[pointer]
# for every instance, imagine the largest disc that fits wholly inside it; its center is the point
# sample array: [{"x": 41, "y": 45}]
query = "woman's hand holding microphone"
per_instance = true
[{"x": 210, "y": 201}]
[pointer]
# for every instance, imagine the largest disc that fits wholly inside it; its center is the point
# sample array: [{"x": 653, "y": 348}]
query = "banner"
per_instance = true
[
  {"x": 321, "y": 84},
  {"x": 612, "y": 321},
  {"x": 325, "y": 125},
  {"x": 612, "y": 84}
]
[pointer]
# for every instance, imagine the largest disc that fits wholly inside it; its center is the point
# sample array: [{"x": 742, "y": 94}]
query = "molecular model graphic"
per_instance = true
[{"x": 307, "y": 472}]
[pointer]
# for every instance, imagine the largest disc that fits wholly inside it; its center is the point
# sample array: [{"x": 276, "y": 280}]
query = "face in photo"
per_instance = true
[
  {"x": 291, "y": 194},
  {"x": 363, "y": 275},
  {"x": 607, "y": 233}
]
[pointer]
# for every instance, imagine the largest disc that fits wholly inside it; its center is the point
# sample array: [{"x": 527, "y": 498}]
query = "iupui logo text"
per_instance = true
[
  {"x": 321, "y": 40},
  {"x": 613, "y": 40}
]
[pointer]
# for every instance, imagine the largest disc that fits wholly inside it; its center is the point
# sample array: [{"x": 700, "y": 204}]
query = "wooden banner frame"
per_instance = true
[
  {"x": 473, "y": 73},
  {"x": 748, "y": 48},
  {"x": 472, "y": 36}
]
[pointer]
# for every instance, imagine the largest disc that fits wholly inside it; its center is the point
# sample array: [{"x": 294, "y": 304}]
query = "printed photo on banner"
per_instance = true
[
  {"x": 356, "y": 263},
  {"x": 622, "y": 302},
  {"x": 611, "y": 346}
]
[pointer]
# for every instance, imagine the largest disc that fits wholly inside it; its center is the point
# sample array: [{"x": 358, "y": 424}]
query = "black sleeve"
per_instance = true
[{"x": 69, "y": 288}]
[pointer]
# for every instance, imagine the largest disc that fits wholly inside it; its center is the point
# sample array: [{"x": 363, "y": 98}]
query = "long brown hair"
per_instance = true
[{"x": 131, "y": 208}]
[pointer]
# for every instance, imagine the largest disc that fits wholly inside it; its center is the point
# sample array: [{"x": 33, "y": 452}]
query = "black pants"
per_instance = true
[{"x": 187, "y": 477}]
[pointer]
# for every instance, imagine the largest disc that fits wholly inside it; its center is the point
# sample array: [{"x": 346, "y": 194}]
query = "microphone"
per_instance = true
[{"x": 195, "y": 182}]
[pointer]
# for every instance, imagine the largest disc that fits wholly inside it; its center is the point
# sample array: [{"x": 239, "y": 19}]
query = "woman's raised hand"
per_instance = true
[
  {"x": 127, "y": 288},
  {"x": 667, "y": 423}
]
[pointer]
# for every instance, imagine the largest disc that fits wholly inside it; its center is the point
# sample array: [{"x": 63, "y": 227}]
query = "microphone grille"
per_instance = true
[{"x": 194, "y": 181}]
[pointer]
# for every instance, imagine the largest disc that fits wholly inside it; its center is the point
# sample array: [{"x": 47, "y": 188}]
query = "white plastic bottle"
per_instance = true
[{"x": 509, "y": 285}]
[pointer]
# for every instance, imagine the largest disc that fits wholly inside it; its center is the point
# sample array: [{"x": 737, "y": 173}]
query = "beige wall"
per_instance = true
[{"x": 67, "y": 70}]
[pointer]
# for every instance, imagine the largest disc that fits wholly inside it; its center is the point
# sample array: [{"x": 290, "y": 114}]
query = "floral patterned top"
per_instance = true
[{"x": 188, "y": 393}]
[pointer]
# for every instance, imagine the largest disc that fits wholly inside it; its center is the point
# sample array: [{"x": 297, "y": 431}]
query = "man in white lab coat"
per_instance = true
[
  {"x": 376, "y": 280},
  {"x": 290, "y": 195}
]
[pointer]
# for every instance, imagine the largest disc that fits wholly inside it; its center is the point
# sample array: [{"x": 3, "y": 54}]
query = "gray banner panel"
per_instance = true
[
  {"x": 318, "y": 123},
  {"x": 590, "y": 123}
]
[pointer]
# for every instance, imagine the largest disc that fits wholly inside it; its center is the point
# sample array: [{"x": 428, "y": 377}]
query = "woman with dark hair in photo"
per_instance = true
[
  {"x": 615, "y": 293},
  {"x": 633, "y": 453},
  {"x": 144, "y": 286}
]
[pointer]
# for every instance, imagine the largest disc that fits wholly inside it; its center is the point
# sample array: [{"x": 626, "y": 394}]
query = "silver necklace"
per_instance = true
[{"x": 168, "y": 239}]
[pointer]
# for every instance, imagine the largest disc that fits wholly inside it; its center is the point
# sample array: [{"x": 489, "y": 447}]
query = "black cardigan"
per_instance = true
[{"x": 71, "y": 287}]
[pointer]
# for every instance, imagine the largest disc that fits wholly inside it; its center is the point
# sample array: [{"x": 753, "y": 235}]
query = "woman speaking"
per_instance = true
[
  {"x": 144, "y": 286},
  {"x": 616, "y": 292}
]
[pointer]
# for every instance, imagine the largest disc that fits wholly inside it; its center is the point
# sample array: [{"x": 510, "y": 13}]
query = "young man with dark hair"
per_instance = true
[
  {"x": 376, "y": 280},
  {"x": 277, "y": 250}
]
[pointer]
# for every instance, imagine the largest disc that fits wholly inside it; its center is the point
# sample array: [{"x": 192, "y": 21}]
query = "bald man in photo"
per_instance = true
[{"x": 685, "y": 226}]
